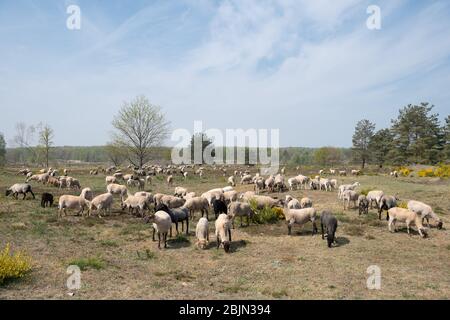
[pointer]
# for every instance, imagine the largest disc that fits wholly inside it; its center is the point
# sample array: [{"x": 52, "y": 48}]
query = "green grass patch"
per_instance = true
[
  {"x": 145, "y": 255},
  {"x": 109, "y": 243},
  {"x": 96, "y": 263},
  {"x": 354, "y": 230}
]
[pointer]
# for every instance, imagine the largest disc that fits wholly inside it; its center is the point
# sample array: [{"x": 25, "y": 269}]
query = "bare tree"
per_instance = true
[
  {"x": 46, "y": 140},
  {"x": 24, "y": 139},
  {"x": 139, "y": 126}
]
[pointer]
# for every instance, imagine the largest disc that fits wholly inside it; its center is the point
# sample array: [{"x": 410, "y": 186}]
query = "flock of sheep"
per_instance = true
[{"x": 226, "y": 203}]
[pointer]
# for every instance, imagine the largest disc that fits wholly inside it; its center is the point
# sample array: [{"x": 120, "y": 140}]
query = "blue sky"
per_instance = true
[{"x": 309, "y": 68}]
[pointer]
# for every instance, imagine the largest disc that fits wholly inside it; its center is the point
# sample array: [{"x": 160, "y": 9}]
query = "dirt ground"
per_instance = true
[{"x": 265, "y": 263}]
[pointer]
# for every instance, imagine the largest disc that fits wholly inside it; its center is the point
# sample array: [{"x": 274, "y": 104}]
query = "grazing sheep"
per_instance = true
[
  {"x": 294, "y": 204},
  {"x": 333, "y": 183},
  {"x": 258, "y": 185},
  {"x": 148, "y": 179},
  {"x": 185, "y": 175},
  {"x": 374, "y": 196},
  {"x": 332, "y": 171},
  {"x": 386, "y": 202},
  {"x": 157, "y": 198},
  {"x": 190, "y": 195},
  {"x": 300, "y": 216},
  {"x": 219, "y": 207},
  {"x": 363, "y": 204},
  {"x": 279, "y": 183},
  {"x": 87, "y": 194},
  {"x": 425, "y": 212},
  {"x": 342, "y": 172},
  {"x": 314, "y": 184},
  {"x": 246, "y": 179},
  {"x": 20, "y": 188},
  {"x": 161, "y": 223},
  {"x": 137, "y": 203},
  {"x": 356, "y": 172},
  {"x": 223, "y": 231},
  {"x": 213, "y": 194},
  {"x": 263, "y": 201},
  {"x": 110, "y": 179},
  {"x": 180, "y": 192},
  {"x": 176, "y": 215},
  {"x": 305, "y": 203},
  {"x": 230, "y": 196},
  {"x": 232, "y": 181},
  {"x": 72, "y": 202},
  {"x": 197, "y": 204},
  {"x": 202, "y": 233},
  {"x": 73, "y": 183},
  {"x": 172, "y": 201},
  {"x": 119, "y": 189},
  {"x": 46, "y": 199},
  {"x": 270, "y": 183},
  {"x": 102, "y": 202},
  {"x": 170, "y": 180},
  {"x": 350, "y": 195},
  {"x": 147, "y": 195},
  {"x": 345, "y": 187},
  {"x": 329, "y": 221},
  {"x": 325, "y": 184},
  {"x": 240, "y": 209},
  {"x": 227, "y": 188},
  {"x": 407, "y": 216}
]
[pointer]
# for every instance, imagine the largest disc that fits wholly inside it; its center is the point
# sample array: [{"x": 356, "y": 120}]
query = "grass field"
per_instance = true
[{"x": 120, "y": 261}]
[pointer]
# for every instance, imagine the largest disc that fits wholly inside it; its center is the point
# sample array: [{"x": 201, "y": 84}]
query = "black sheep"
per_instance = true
[
  {"x": 219, "y": 207},
  {"x": 47, "y": 199},
  {"x": 330, "y": 223},
  {"x": 176, "y": 215}
]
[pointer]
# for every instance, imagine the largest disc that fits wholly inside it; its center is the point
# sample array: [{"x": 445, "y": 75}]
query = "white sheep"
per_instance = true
[
  {"x": 102, "y": 202},
  {"x": 72, "y": 202},
  {"x": 305, "y": 203},
  {"x": 223, "y": 232},
  {"x": 375, "y": 196},
  {"x": 232, "y": 181},
  {"x": 20, "y": 188},
  {"x": 161, "y": 223},
  {"x": 202, "y": 233},
  {"x": 425, "y": 212},
  {"x": 87, "y": 194},
  {"x": 301, "y": 217},
  {"x": 240, "y": 209},
  {"x": 119, "y": 189},
  {"x": 407, "y": 216},
  {"x": 350, "y": 195}
]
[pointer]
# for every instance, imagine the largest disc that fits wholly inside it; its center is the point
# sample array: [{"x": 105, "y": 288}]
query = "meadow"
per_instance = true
[{"x": 119, "y": 260}]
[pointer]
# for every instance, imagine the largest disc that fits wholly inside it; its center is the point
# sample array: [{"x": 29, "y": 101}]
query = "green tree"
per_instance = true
[
  {"x": 2, "y": 150},
  {"x": 327, "y": 156},
  {"x": 139, "y": 126},
  {"x": 200, "y": 139},
  {"x": 417, "y": 135},
  {"x": 446, "y": 135},
  {"x": 380, "y": 145},
  {"x": 363, "y": 133},
  {"x": 115, "y": 154}
]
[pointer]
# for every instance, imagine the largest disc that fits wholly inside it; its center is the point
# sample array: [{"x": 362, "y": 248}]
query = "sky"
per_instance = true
[{"x": 311, "y": 69}]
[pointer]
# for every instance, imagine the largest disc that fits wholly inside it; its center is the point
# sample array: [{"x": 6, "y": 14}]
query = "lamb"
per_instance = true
[
  {"x": 350, "y": 195},
  {"x": 363, "y": 204},
  {"x": 425, "y": 212},
  {"x": 73, "y": 202},
  {"x": 232, "y": 181},
  {"x": 305, "y": 203},
  {"x": 219, "y": 207},
  {"x": 87, "y": 194},
  {"x": 102, "y": 202},
  {"x": 161, "y": 223},
  {"x": 197, "y": 204},
  {"x": 375, "y": 195},
  {"x": 386, "y": 202},
  {"x": 180, "y": 192},
  {"x": 300, "y": 216},
  {"x": 202, "y": 233},
  {"x": 20, "y": 188},
  {"x": 407, "y": 216},
  {"x": 240, "y": 209},
  {"x": 223, "y": 230},
  {"x": 46, "y": 199},
  {"x": 259, "y": 185},
  {"x": 329, "y": 221},
  {"x": 119, "y": 189}
]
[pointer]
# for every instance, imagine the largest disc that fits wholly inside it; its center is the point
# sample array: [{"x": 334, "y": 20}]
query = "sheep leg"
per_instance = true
[
  {"x": 218, "y": 242},
  {"x": 24, "y": 195},
  {"x": 32, "y": 194},
  {"x": 187, "y": 225},
  {"x": 229, "y": 235},
  {"x": 176, "y": 227},
  {"x": 165, "y": 240},
  {"x": 289, "y": 228},
  {"x": 321, "y": 226},
  {"x": 314, "y": 227},
  {"x": 159, "y": 241},
  {"x": 241, "y": 222},
  {"x": 153, "y": 235}
]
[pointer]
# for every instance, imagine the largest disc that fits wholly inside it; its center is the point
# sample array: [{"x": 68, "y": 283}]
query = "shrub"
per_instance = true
[
  {"x": 403, "y": 205},
  {"x": 404, "y": 171},
  {"x": 442, "y": 171},
  {"x": 13, "y": 266},
  {"x": 426, "y": 173},
  {"x": 265, "y": 215}
]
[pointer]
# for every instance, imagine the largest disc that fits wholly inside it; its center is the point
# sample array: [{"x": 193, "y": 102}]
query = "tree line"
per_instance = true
[{"x": 415, "y": 137}]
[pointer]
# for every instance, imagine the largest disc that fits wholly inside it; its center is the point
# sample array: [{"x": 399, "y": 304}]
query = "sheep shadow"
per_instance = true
[
  {"x": 177, "y": 243},
  {"x": 236, "y": 245},
  {"x": 342, "y": 241}
]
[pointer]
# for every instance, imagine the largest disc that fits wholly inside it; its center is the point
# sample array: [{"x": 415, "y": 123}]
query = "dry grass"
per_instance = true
[{"x": 265, "y": 263}]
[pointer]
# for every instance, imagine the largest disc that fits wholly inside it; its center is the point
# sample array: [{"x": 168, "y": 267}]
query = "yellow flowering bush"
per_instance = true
[
  {"x": 442, "y": 171},
  {"x": 13, "y": 266},
  {"x": 404, "y": 171},
  {"x": 429, "y": 172},
  {"x": 403, "y": 205}
]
